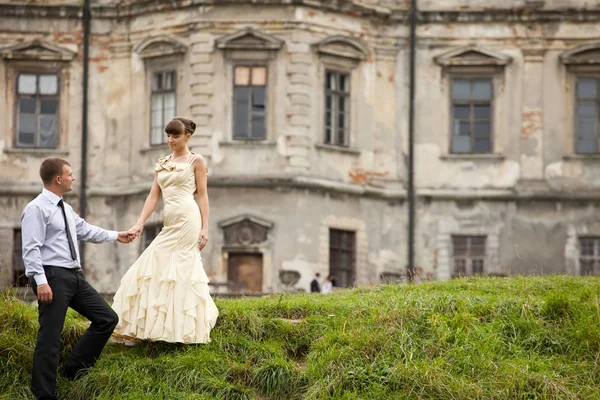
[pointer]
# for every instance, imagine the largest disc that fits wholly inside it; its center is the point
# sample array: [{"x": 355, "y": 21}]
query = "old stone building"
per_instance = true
[{"x": 302, "y": 109}]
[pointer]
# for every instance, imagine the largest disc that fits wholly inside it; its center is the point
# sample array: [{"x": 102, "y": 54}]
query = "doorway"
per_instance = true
[{"x": 245, "y": 271}]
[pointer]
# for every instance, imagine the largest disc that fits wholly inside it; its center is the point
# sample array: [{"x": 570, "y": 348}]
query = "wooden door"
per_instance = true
[{"x": 246, "y": 268}]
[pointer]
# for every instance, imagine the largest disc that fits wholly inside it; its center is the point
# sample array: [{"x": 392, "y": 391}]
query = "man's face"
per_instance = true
[{"x": 66, "y": 179}]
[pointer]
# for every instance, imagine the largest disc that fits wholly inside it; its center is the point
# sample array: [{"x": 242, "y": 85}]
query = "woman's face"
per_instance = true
[{"x": 177, "y": 141}]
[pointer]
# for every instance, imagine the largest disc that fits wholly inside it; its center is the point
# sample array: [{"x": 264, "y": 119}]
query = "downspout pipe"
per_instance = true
[
  {"x": 411, "y": 143},
  {"x": 84, "y": 118}
]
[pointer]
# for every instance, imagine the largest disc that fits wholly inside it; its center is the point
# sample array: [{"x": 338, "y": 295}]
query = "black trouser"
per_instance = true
[{"x": 69, "y": 289}]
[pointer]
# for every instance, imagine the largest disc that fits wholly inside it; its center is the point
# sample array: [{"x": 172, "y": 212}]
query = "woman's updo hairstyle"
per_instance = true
[
  {"x": 174, "y": 127},
  {"x": 190, "y": 126}
]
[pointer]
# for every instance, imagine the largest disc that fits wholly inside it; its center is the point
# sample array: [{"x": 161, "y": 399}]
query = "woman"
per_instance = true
[{"x": 164, "y": 295}]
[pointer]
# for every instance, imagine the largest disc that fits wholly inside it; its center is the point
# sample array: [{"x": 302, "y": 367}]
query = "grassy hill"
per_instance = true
[{"x": 486, "y": 338}]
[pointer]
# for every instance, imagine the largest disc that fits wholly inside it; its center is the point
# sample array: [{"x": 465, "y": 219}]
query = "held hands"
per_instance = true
[
  {"x": 125, "y": 237},
  {"x": 136, "y": 230},
  {"x": 202, "y": 239},
  {"x": 44, "y": 294}
]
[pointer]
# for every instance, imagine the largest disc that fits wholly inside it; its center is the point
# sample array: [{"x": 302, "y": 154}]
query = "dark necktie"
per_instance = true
[{"x": 71, "y": 244}]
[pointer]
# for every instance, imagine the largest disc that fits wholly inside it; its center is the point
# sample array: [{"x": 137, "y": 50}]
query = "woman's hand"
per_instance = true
[
  {"x": 136, "y": 230},
  {"x": 202, "y": 239}
]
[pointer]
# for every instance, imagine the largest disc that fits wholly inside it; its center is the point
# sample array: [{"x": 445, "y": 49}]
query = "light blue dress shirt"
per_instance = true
[{"x": 45, "y": 240}]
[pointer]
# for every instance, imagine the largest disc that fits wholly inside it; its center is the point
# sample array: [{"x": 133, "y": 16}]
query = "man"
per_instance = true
[
  {"x": 314, "y": 284},
  {"x": 50, "y": 229}
]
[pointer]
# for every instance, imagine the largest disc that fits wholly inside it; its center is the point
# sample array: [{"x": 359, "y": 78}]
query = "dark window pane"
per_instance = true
[
  {"x": 330, "y": 81},
  {"x": 587, "y": 146},
  {"x": 482, "y": 111},
  {"x": 461, "y": 89},
  {"x": 259, "y": 97},
  {"x": 587, "y": 88},
  {"x": 26, "y": 139},
  {"x": 169, "y": 80},
  {"x": 587, "y": 267},
  {"x": 477, "y": 266},
  {"x": 48, "y": 106},
  {"x": 258, "y": 126},
  {"x": 341, "y": 137},
  {"x": 586, "y": 247},
  {"x": 157, "y": 81},
  {"x": 587, "y": 110},
  {"x": 327, "y": 135},
  {"x": 588, "y": 129},
  {"x": 328, "y": 102},
  {"x": 47, "y": 131},
  {"x": 477, "y": 245},
  {"x": 482, "y": 89},
  {"x": 27, "y": 123},
  {"x": 27, "y": 105},
  {"x": 341, "y": 121},
  {"x": 343, "y": 104},
  {"x": 344, "y": 83},
  {"x": 462, "y": 112},
  {"x": 27, "y": 84},
  {"x": 460, "y": 245},
  {"x": 460, "y": 266},
  {"x": 481, "y": 146},
  {"x": 482, "y": 129},
  {"x": 241, "y": 99},
  {"x": 462, "y": 128},
  {"x": 461, "y": 144}
]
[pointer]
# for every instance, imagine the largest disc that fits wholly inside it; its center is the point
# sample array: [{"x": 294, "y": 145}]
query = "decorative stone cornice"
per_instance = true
[
  {"x": 159, "y": 46},
  {"x": 37, "y": 50},
  {"x": 472, "y": 56},
  {"x": 344, "y": 47},
  {"x": 256, "y": 220},
  {"x": 588, "y": 54},
  {"x": 249, "y": 39},
  {"x": 133, "y": 8}
]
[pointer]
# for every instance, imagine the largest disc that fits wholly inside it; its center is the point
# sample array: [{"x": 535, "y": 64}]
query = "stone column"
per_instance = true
[
  {"x": 532, "y": 121},
  {"x": 202, "y": 88}
]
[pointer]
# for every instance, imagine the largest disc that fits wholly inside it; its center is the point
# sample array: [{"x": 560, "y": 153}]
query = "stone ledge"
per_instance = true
[
  {"x": 36, "y": 151},
  {"x": 472, "y": 157},
  {"x": 338, "y": 149},
  {"x": 582, "y": 157}
]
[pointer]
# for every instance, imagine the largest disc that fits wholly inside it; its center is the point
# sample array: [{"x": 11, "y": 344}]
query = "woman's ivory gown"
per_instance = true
[{"x": 164, "y": 295}]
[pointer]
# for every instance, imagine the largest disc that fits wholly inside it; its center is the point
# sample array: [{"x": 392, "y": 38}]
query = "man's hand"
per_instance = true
[
  {"x": 125, "y": 237},
  {"x": 44, "y": 293}
]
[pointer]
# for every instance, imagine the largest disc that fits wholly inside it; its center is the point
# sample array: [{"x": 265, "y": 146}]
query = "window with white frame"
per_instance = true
[
  {"x": 587, "y": 114},
  {"x": 163, "y": 104},
  {"x": 471, "y": 115},
  {"x": 250, "y": 102},
  {"x": 37, "y": 110},
  {"x": 337, "y": 108}
]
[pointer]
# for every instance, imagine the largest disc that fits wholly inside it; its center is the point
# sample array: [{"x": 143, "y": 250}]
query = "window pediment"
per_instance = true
[
  {"x": 583, "y": 55},
  {"x": 159, "y": 47},
  {"x": 344, "y": 47},
  {"x": 245, "y": 230},
  {"x": 249, "y": 39},
  {"x": 37, "y": 50},
  {"x": 472, "y": 56}
]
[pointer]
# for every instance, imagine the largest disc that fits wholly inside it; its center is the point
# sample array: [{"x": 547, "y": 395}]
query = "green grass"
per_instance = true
[{"x": 485, "y": 338}]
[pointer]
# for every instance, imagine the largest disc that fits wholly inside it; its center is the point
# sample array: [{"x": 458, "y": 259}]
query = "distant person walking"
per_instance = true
[
  {"x": 328, "y": 285},
  {"x": 314, "y": 284}
]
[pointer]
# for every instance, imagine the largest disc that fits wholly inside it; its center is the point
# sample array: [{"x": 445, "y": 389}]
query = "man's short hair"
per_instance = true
[{"x": 51, "y": 168}]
